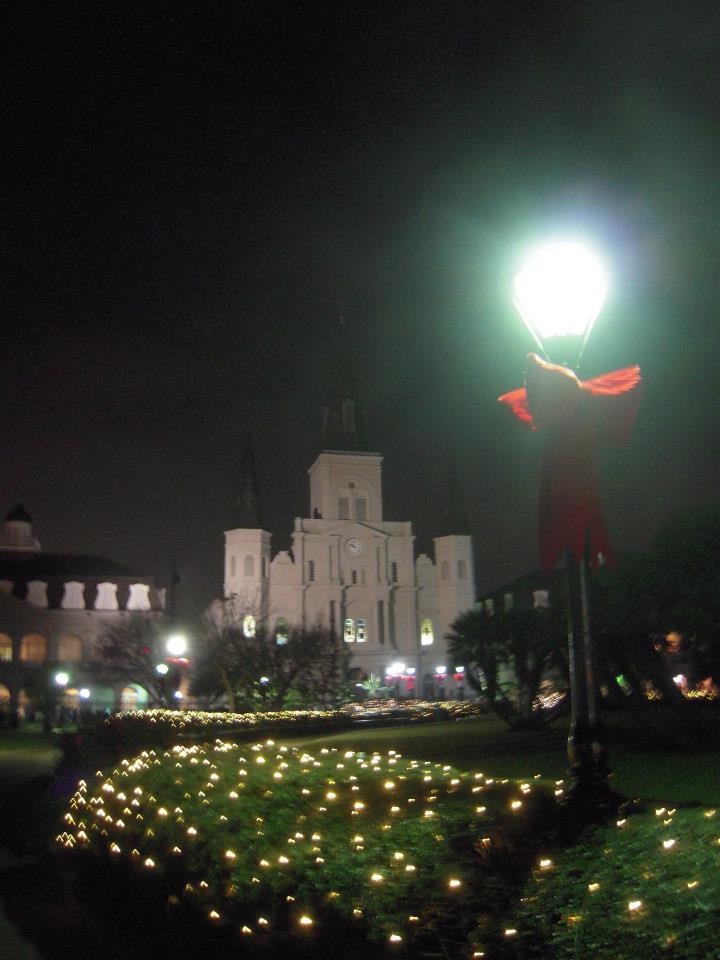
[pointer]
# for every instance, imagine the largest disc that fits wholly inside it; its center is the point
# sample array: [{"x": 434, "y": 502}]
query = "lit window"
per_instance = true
[
  {"x": 541, "y": 598},
  {"x": 462, "y": 569},
  {"x": 394, "y": 572},
  {"x": 361, "y": 508},
  {"x": 311, "y": 570},
  {"x": 444, "y": 570},
  {"x": 361, "y": 631},
  {"x": 490, "y": 606},
  {"x": 349, "y": 631},
  {"x": 249, "y": 626},
  {"x": 508, "y": 601},
  {"x": 426, "y": 633},
  {"x": 70, "y": 648},
  {"x": 344, "y": 508},
  {"x": 6, "y": 650},
  {"x": 281, "y": 631},
  {"x": 249, "y": 565},
  {"x": 33, "y": 647}
]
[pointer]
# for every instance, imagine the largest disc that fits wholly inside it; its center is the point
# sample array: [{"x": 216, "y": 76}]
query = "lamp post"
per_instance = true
[{"x": 559, "y": 293}]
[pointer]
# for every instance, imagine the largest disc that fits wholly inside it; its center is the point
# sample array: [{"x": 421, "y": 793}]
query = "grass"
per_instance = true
[
  {"x": 646, "y": 887},
  {"x": 277, "y": 842},
  {"x": 643, "y": 764}
]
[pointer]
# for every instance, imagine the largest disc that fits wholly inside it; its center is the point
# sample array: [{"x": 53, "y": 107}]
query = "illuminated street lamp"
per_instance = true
[
  {"x": 176, "y": 645},
  {"x": 162, "y": 669},
  {"x": 559, "y": 292},
  {"x": 62, "y": 679}
]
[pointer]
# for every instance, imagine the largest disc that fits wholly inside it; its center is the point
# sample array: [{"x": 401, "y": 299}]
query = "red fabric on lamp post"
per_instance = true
[{"x": 576, "y": 415}]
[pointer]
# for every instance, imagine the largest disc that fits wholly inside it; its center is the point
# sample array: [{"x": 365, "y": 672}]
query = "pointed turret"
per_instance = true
[
  {"x": 247, "y": 502},
  {"x": 342, "y": 420}
]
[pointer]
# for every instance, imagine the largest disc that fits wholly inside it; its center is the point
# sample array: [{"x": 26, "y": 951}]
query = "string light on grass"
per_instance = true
[{"x": 634, "y": 905}]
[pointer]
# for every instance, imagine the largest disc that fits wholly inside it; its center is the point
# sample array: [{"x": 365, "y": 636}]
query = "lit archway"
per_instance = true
[
  {"x": 6, "y": 649},
  {"x": 33, "y": 648},
  {"x": 133, "y": 697},
  {"x": 70, "y": 648}
]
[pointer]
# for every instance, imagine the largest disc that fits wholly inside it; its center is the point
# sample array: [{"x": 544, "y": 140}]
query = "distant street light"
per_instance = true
[
  {"x": 62, "y": 678},
  {"x": 162, "y": 669},
  {"x": 84, "y": 693},
  {"x": 559, "y": 292},
  {"x": 176, "y": 645}
]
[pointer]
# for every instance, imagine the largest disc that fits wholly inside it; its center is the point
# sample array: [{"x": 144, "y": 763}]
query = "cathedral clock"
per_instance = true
[{"x": 355, "y": 547}]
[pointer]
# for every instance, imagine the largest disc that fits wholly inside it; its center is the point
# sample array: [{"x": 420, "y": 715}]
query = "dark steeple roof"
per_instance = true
[
  {"x": 453, "y": 515},
  {"x": 247, "y": 502},
  {"x": 342, "y": 423},
  {"x": 19, "y": 512}
]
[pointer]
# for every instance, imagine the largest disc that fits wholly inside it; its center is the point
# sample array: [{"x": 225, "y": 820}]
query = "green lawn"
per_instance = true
[{"x": 641, "y": 767}]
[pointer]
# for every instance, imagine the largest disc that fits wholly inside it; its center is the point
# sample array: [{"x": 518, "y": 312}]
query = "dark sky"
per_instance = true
[{"x": 192, "y": 191}]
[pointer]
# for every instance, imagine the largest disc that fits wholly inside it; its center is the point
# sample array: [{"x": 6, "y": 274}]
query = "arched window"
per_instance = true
[
  {"x": 361, "y": 631},
  {"x": 70, "y": 648},
  {"x": 232, "y": 565},
  {"x": 444, "y": 570},
  {"x": 33, "y": 648},
  {"x": 249, "y": 625},
  {"x": 426, "y": 633},
  {"x": 5, "y": 648},
  {"x": 508, "y": 601},
  {"x": 361, "y": 508},
  {"x": 281, "y": 631},
  {"x": 37, "y": 593},
  {"x": 394, "y": 572},
  {"x": 462, "y": 569},
  {"x": 354, "y": 576},
  {"x": 249, "y": 565},
  {"x": 349, "y": 631}
]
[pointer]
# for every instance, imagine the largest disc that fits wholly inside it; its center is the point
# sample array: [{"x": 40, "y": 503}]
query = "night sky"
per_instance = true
[{"x": 193, "y": 192}]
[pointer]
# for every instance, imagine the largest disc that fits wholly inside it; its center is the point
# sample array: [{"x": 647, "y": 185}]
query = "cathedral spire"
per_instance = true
[
  {"x": 454, "y": 516},
  {"x": 342, "y": 421},
  {"x": 247, "y": 501}
]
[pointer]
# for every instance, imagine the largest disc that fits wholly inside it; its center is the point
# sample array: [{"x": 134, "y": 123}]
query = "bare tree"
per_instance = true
[
  {"x": 130, "y": 650},
  {"x": 243, "y": 658}
]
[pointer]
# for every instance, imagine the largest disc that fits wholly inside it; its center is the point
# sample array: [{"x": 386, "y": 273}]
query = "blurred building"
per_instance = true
[{"x": 53, "y": 607}]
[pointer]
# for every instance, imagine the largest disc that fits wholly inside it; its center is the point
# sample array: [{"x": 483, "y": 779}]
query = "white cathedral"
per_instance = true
[{"x": 354, "y": 571}]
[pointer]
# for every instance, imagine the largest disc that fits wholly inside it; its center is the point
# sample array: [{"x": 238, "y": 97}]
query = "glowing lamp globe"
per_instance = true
[
  {"x": 162, "y": 669},
  {"x": 560, "y": 290},
  {"x": 176, "y": 645},
  {"x": 62, "y": 678}
]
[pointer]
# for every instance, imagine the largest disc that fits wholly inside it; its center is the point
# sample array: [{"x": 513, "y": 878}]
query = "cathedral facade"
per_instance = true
[{"x": 352, "y": 570}]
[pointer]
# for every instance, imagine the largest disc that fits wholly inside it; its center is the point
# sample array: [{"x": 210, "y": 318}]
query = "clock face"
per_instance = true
[{"x": 354, "y": 546}]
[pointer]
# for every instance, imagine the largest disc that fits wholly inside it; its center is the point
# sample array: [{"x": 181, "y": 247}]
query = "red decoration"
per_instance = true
[{"x": 576, "y": 415}]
